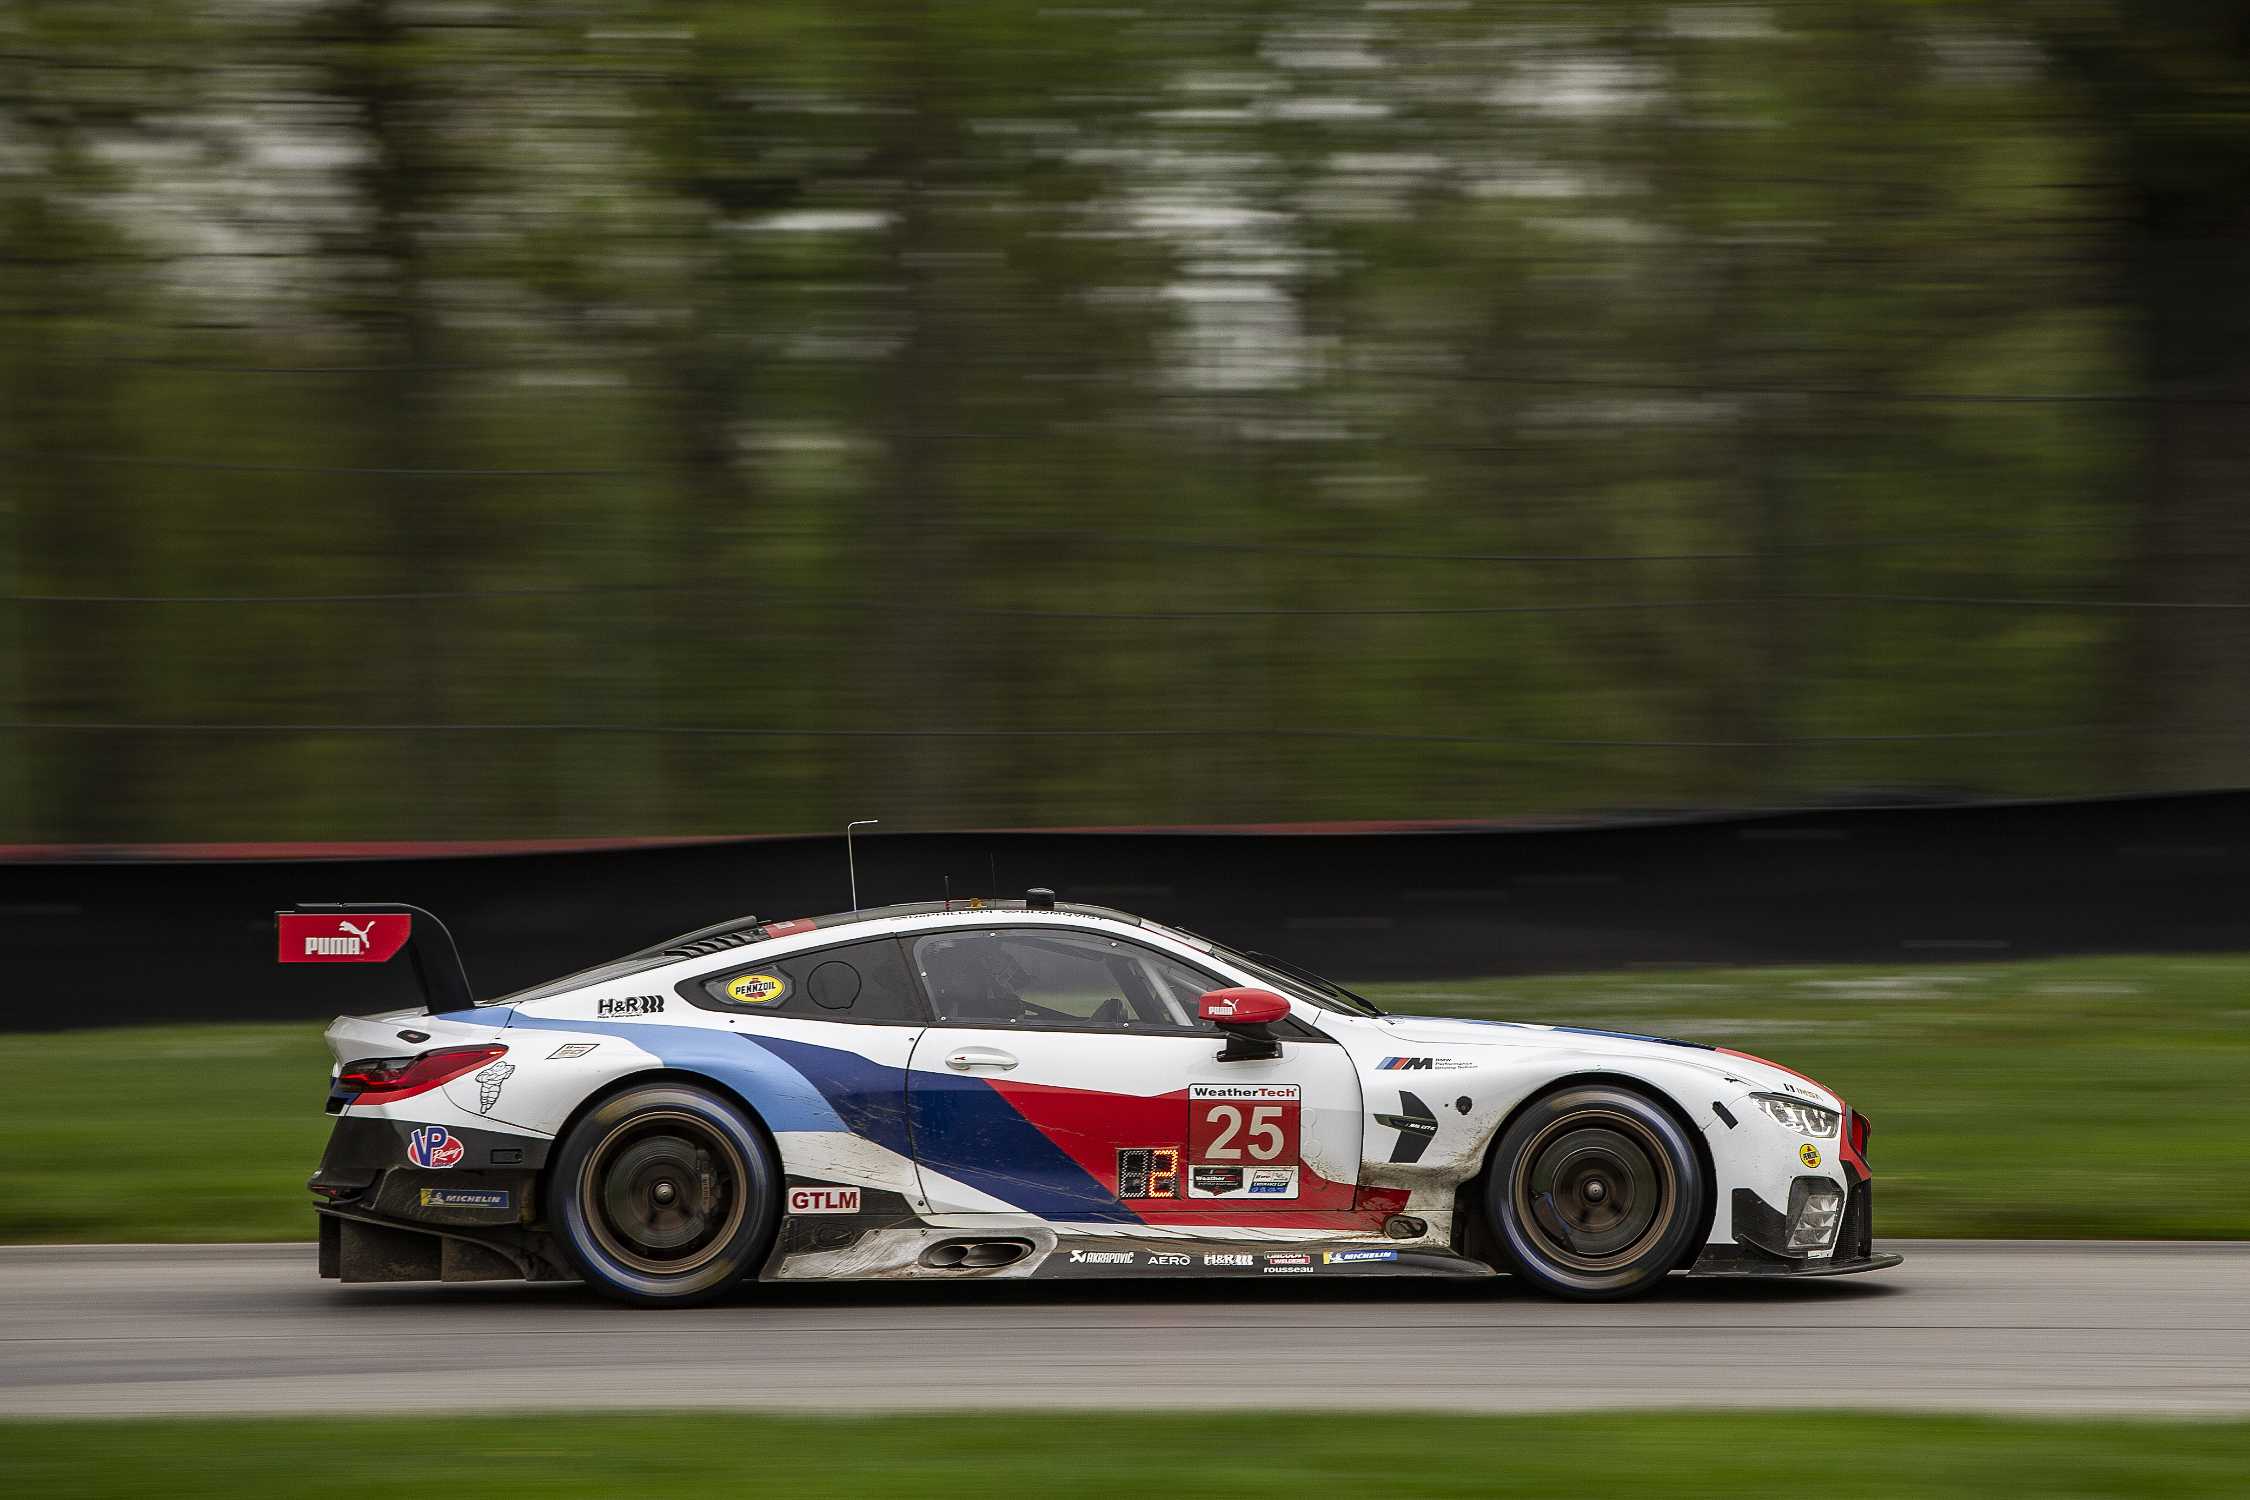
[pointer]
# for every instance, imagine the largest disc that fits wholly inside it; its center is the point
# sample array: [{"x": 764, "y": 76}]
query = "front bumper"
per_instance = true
[{"x": 1761, "y": 1230}]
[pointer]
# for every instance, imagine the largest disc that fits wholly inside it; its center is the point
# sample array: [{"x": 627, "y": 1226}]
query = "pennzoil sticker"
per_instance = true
[
  {"x": 757, "y": 989},
  {"x": 1809, "y": 1154}
]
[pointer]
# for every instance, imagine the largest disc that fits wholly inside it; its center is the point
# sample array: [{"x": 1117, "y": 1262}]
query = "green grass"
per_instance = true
[
  {"x": 162, "y": 1133},
  {"x": 2088, "y": 1097},
  {"x": 1239, "y": 1457}
]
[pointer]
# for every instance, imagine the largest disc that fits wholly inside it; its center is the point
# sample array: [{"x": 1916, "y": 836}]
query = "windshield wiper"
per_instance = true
[{"x": 1327, "y": 987}]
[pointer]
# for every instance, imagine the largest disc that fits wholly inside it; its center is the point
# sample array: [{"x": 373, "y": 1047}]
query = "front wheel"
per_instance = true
[
  {"x": 664, "y": 1194},
  {"x": 1594, "y": 1193}
]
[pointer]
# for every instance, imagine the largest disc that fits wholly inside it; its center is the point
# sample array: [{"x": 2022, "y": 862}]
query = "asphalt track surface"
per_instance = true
[{"x": 2022, "y": 1327}]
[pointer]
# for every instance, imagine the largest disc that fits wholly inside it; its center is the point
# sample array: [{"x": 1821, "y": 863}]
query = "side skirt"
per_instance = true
[{"x": 1038, "y": 1252}]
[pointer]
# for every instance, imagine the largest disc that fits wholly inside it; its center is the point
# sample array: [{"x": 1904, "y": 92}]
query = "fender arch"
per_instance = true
[{"x": 1471, "y": 1236}]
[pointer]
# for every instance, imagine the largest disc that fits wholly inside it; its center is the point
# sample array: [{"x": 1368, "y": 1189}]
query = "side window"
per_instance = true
[
  {"x": 859, "y": 982},
  {"x": 1056, "y": 977}
]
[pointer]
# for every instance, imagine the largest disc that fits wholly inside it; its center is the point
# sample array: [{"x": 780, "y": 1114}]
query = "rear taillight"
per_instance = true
[{"x": 380, "y": 1080}]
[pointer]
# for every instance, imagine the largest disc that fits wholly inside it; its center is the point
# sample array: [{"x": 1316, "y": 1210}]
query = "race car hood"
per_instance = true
[{"x": 1754, "y": 1073}]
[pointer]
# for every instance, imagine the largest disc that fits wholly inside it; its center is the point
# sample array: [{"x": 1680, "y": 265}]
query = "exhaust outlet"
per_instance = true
[{"x": 974, "y": 1255}]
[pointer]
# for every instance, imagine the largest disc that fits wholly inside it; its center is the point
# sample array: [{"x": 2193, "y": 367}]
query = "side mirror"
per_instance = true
[{"x": 1247, "y": 1017}]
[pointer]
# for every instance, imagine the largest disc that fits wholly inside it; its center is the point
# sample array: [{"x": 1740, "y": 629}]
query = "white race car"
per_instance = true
[{"x": 966, "y": 1091}]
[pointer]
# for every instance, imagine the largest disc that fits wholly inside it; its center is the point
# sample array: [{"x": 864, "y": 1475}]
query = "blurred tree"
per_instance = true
[
  {"x": 2168, "y": 86},
  {"x": 730, "y": 417}
]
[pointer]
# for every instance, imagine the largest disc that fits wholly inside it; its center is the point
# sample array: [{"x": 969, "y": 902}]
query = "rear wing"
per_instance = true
[{"x": 375, "y": 932}]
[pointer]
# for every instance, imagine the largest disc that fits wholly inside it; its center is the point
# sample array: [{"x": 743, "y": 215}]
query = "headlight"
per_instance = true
[
  {"x": 1815, "y": 1228},
  {"x": 1804, "y": 1118}
]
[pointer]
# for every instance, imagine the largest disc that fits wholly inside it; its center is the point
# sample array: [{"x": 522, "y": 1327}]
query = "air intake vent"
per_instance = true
[{"x": 702, "y": 947}]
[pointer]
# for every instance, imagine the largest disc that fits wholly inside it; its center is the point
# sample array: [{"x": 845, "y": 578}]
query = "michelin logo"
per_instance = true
[{"x": 488, "y": 1085}]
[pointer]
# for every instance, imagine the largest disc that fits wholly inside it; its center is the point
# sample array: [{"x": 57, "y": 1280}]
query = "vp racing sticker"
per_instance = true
[{"x": 434, "y": 1147}]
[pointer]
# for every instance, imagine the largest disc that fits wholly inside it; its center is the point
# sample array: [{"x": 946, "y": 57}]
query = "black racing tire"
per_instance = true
[
  {"x": 665, "y": 1195},
  {"x": 1595, "y": 1193}
]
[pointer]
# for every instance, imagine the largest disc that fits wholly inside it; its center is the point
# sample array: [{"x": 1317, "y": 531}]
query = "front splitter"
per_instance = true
[{"x": 1728, "y": 1261}]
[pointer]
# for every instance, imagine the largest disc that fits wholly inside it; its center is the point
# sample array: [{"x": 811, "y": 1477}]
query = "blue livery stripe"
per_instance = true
[
  {"x": 869, "y": 1096},
  {"x": 781, "y": 1095}
]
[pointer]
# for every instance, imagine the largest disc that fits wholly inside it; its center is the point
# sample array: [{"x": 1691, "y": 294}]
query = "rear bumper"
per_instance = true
[{"x": 382, "y": 1219}]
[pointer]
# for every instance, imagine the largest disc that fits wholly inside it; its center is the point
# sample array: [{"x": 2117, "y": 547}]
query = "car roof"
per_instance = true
[{"x": 741, "y": 932}]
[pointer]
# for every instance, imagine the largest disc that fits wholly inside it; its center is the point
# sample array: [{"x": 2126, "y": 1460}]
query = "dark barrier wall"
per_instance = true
[{"x": 103, "y": 943}]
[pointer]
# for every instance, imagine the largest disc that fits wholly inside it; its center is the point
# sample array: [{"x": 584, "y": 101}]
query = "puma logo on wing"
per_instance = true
[{"x": 355, "y": 941}]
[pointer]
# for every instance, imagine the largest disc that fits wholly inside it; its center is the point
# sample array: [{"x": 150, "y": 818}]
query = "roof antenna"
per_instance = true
[
  {"x": 849, "y": 861},
  {"x": 992, "y": 868},
  {"x": 948, "y": 891}
]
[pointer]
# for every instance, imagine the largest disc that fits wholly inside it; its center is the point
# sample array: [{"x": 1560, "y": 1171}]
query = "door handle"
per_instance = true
[{"x": 980, "y": 1057}]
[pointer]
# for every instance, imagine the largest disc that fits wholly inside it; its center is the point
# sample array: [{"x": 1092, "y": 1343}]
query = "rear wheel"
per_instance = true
[
  {"x": 664, "y": 1194},
  {"x": 1594, "y": 1193}
]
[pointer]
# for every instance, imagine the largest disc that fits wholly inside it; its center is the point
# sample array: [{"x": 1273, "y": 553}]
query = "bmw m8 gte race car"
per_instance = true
[{"x": 1033, "y": 1089}]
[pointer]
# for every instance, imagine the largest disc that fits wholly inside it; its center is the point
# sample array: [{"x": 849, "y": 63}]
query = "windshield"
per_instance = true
[{"x": 1290, "y": 979}]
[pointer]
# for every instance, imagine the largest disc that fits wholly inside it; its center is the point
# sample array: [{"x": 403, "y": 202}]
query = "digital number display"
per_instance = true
[{"x": 1148, "y": 1172}]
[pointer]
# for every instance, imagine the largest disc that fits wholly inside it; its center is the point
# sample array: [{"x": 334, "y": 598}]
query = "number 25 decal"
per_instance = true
[
  {"x": 1237, "y": 1123},
  {"x": 1266, "y": 1139}
]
